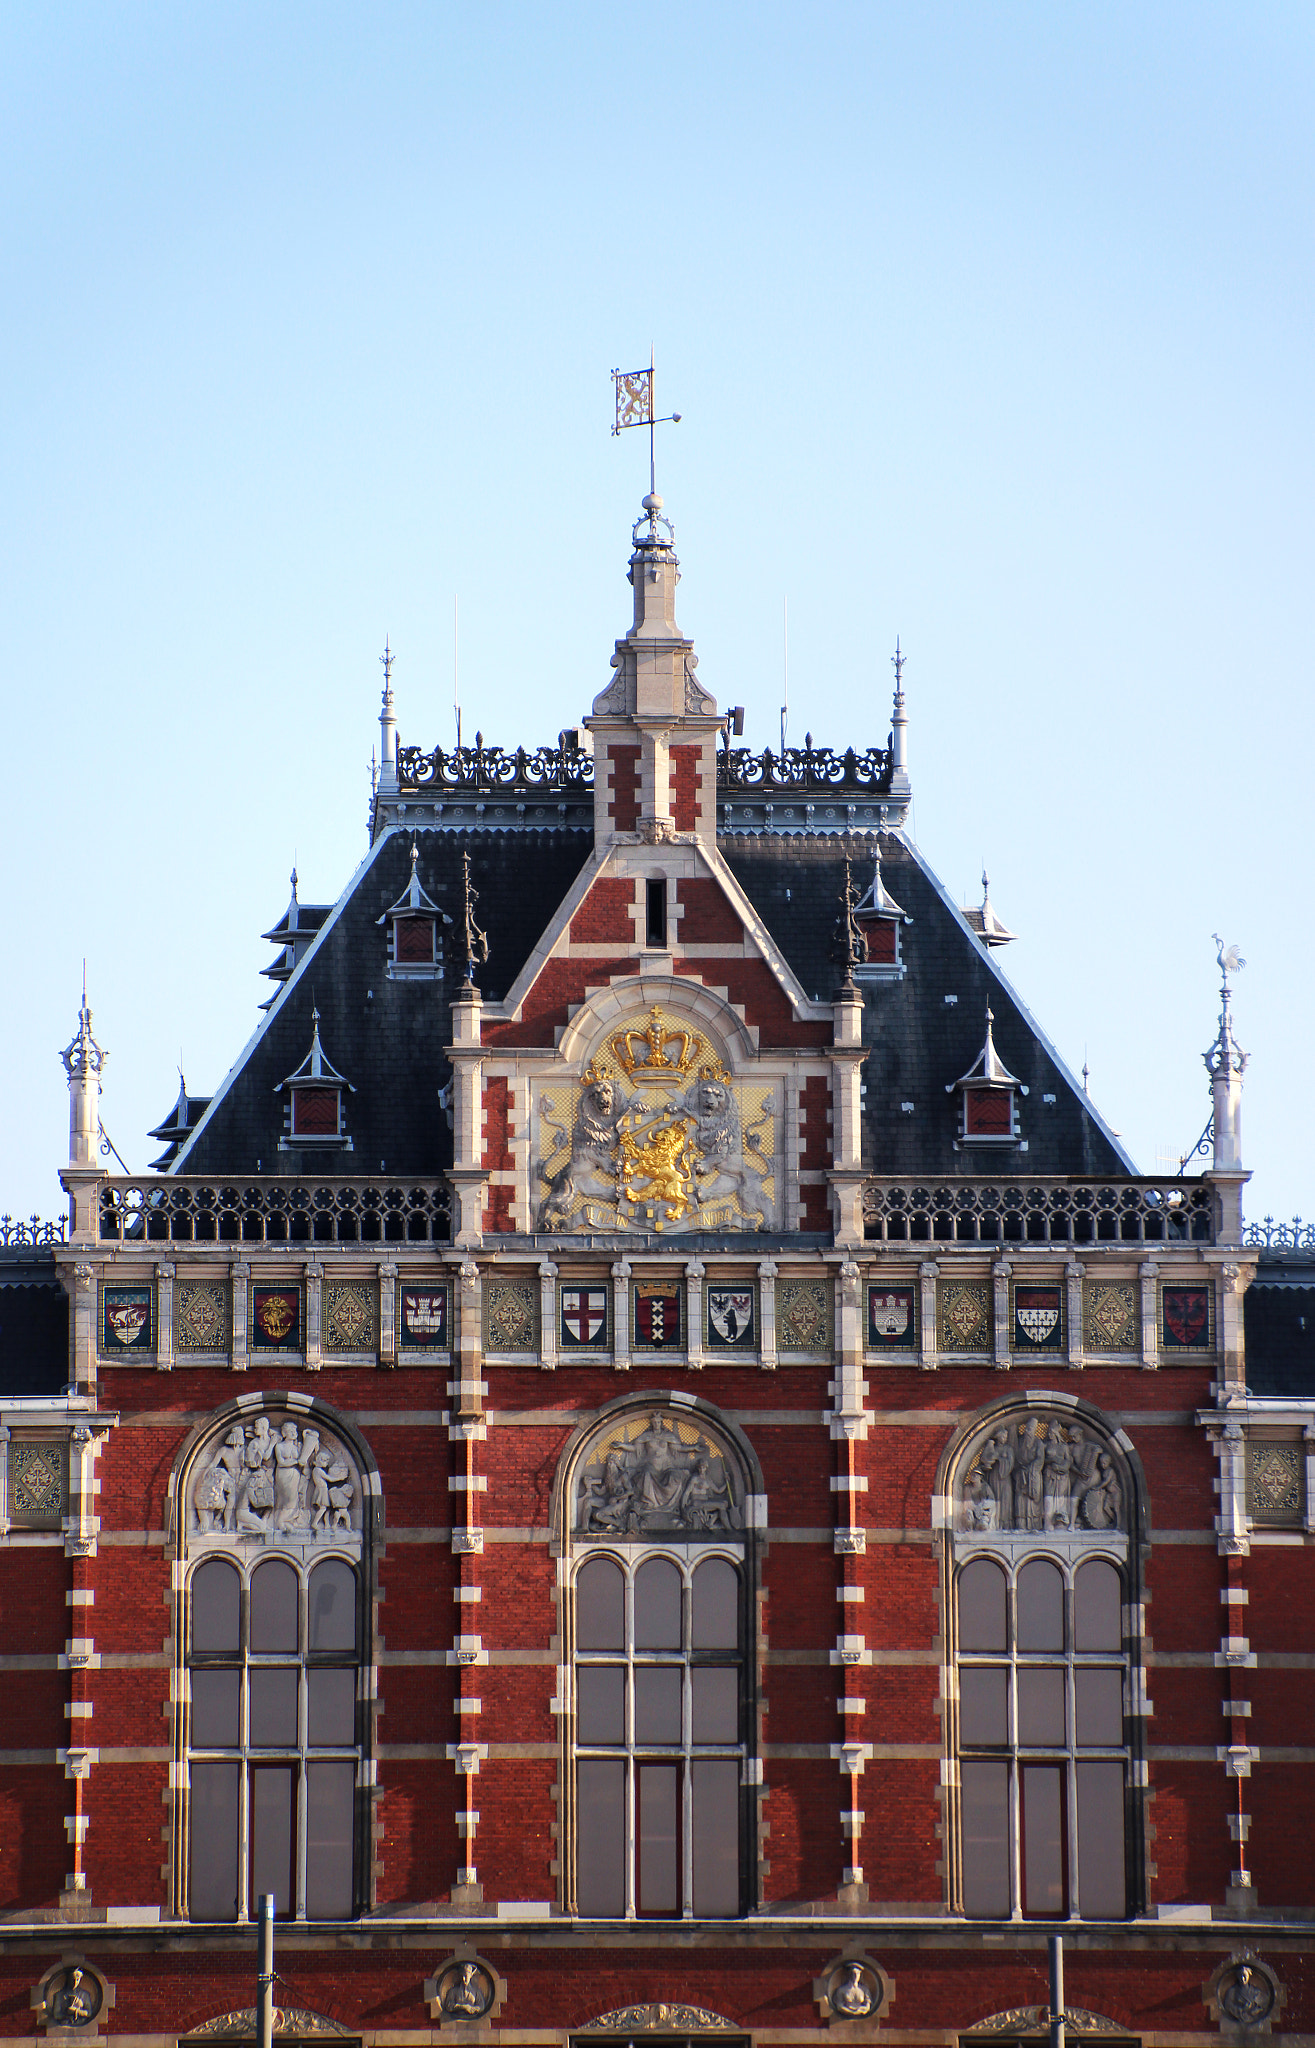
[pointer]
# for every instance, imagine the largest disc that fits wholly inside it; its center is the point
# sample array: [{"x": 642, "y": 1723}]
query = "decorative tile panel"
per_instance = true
[
  {"x": 425, "y": 1318},
  {"x": 803, "y": 1315},
  {"x": 36, "y": 1483},
  {"x": 1038, "y": 1315},
  {"x": 892, "y": 1318},
  {"x": 731, "y": 1317},
  {"x": 350, "y": 1318},
  {"x": 127, "y": 1319},
  {"x": 1186, "y": 1318},
  {"x": 963, "y": 1315},
  {"x": 1276, "y": 1483},
  {"x": 1110, "y": 1319},
  {"x": 201, "y": 1315},
  {"x": 511, "y": 1315},
  {"x": 276, "y": 1318}
]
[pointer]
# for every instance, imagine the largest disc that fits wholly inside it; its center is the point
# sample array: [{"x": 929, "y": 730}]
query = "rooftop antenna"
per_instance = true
[
  {"x": 785, "y": 670},
  {"x": 456, "y": 691},
  {"x": 634, "y": 408}
]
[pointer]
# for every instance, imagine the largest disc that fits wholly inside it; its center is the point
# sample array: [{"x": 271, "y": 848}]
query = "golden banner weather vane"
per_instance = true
[{"x": 634, "y": 408}]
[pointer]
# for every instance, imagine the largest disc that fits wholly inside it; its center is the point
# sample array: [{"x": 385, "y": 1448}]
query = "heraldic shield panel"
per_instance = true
[{"x": 657, "y": 1135}]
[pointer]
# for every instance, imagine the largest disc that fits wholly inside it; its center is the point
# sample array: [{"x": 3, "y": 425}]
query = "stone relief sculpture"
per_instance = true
[
  {"x": 659, "y": 1476},
  {"x": 296, "y": 1482},
  {"x": 1041, "y": 1473},
  {"x": 659, "y": 1137}
]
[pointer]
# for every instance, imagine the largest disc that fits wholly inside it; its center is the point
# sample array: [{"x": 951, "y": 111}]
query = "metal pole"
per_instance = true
[
  {"x": 265, "y": 1971},
  {"x": 1056, "y": 1991}
]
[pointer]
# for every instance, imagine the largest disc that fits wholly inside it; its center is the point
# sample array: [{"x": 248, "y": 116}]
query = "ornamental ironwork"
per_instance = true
[
  {"x": 32, "y": 1234},
  {"x": 1287, "y": 1237},
  {"x": 805, "y": 769},
  {"x": 274, "y": 1210},
  {"x": 1039, "y": 1211},
  {"x": 568, "y": 770}
]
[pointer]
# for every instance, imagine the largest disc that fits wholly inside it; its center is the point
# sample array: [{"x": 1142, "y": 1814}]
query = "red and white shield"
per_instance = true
[{"x": 584, "y": 1314}]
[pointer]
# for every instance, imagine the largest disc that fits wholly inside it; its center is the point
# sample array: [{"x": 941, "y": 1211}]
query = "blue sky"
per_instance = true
[{"x": 990, "y": 326}]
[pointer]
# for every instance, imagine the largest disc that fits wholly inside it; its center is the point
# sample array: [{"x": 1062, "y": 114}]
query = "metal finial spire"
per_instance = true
[
  {"x": 474, "y": 940},
  {"x": 386, "y": 660},
  {"x": 1086, "y": 1075},
  {"x": 1226, "y": 1056},
  {"x": 849, "y": 948},
  {"x": 897, "y": 661}
]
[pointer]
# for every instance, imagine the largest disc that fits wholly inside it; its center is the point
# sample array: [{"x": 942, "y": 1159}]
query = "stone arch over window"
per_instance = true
[
  {"x": 1043, "y": 1505},
  {"x": 275, "y": 1503},
  {"x": 657, "y": 1508}
]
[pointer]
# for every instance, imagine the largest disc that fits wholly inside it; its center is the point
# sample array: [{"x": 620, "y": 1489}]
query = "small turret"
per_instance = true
[{"x": 84, "y": 1062}]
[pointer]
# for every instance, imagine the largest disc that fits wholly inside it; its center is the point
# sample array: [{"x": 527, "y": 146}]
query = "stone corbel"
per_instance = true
[
  {"x": 81, "y": 1523},
  {"x": 82, "y": 1328}
]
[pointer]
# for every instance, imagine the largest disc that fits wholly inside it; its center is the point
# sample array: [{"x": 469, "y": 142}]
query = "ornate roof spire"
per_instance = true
[
  {"x": 84, "y": 1062},
  {"x": 1225, "y": 1062},
  {"x": 387, "y": 723},
  {"x": 1226, "y": 1056},
  {"x": 899, "y": 729}
]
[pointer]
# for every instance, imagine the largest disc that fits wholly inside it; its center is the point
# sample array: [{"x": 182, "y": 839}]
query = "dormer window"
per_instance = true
[
  {"x": 315, "y": 1100},
  {"x": 415, "y": 932},
  {"x": 988, "y": 1092},
  {"x": 879, "y": 918}
]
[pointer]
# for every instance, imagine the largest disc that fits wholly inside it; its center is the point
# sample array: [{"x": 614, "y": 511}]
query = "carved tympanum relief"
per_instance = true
[
  {"x": 274, "y": 1478},
  {"x": 657, "y": 1474},
  {"x": 1046, "y": 1471},
  {"x": 656, "y": 1135}
]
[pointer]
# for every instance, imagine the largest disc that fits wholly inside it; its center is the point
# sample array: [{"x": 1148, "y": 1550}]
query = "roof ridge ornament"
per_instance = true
[{"x": 475, "y": 942}]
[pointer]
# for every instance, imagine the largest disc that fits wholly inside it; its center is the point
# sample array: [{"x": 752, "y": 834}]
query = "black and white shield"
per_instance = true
[{"x": 730, "y": 1314}]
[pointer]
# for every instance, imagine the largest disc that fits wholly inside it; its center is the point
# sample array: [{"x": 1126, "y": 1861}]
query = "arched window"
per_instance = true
[
  {"x": 1043, "y": 1652},
  {"x": 663, "y": 1720},
  {"x": 272, "y": 1642}
]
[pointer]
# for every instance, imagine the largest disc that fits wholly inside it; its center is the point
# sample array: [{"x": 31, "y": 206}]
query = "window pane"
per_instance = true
[
  {"x": 330, "y": 1708},
  {"x": 985, "y": 1805},
  {"x": 657, "y": 1606},
  {"x": 212, "y": 1814},
  {"x": 982, "y": 1606},
  {"x": 715, "y": 1623},
  {"x": 332, "y": 1606},
  {"x": 659, "y": 1860},
  {"x": 1040, "y": 1607},
  {"x": 1100, "y": 1709},
  {"x": 599, "y": 1613},
  {"x": 273, "y": 1709},
  {"x": 330, "y": 1796},
  {"x": 600, "y": 1798},
  {"x": 601, "y": 1703},
  {"x": 271, "y": 1835},
  {"x": 215, "y": 1607},
  {"x": 716, "y": 1822},
  {"x": 1097, "y": 1607},
  {"x": 214, "y": 1709},
  {"x": 1043, "y": 1840},
  {"x": 1101, "y": 1893},
  {"x": 1041, "y": 1708},
  {"x": 716, "y": 1690},
  {"x": 274, "y": 1607},
  {"x": 657, "y": 1702},
  {"x": 983, "y": 1704}
]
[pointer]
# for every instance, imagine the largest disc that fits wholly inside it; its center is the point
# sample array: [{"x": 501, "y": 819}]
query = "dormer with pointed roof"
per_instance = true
[
  {"x": 315, "y": 1101},
  {"x": 984, "y": 921},
  {"x": 294, "y": 935},
  {"x": 415, "y": 930},
  {"x": 879, "y": 918},
  {"x": 988, "y": 1098},
  {"x": 174, "y": 1129}
]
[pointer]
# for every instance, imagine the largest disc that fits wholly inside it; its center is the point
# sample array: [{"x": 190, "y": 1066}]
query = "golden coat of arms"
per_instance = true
[{"x": 657, "y": 1136}]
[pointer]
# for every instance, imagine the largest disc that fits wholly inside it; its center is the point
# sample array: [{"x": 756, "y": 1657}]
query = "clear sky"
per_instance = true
[{"x": 990, "y": 325}]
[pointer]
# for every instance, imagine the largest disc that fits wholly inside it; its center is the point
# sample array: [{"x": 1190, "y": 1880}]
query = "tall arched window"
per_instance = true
[
  {"x": 272, "y": 1642},
  {"x": 663, "y": 1720},
  {"x": 1043, "y": 1652}
]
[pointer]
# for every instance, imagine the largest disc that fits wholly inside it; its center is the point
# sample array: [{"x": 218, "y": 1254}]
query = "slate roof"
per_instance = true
[
  {"x": 33, "y": 1325},
  {"x": 918, "y": 1042},
  {"x": 386, "y": 1036},
  {"x": 1278, "y": 1311}
]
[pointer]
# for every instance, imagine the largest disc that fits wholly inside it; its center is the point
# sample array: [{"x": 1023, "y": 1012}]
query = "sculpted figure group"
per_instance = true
[
  {"x": 656, "y": 1483},
  {"x": 262, "y": 1484},
  {"x": 1031, "y": 1482}
]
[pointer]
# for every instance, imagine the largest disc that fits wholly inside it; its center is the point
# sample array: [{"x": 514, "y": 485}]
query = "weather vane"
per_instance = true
[{"x": 634, "y": 408}]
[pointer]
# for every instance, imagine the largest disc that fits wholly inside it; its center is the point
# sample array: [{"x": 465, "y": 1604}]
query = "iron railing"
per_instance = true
[
  {"x": 274, "y": 1210},
  {"x": 31, "y": 1234},
  {"x": 568, "y": 769},
  {"x": 1052, "y": 1211},
  {"x": 1286, "y": 1237}
]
